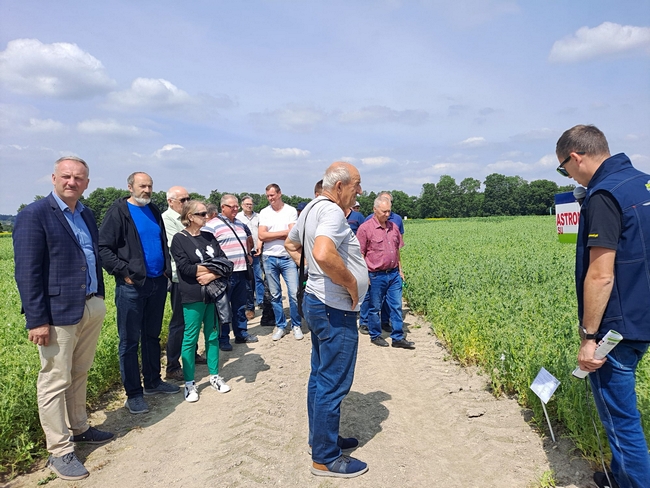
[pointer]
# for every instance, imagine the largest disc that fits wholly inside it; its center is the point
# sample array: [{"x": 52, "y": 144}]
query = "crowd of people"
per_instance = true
[{"x": 219, "y": 266}]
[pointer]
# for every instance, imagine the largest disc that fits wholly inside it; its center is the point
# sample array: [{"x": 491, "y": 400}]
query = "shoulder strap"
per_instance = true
[{"x": 225, "y": 221}]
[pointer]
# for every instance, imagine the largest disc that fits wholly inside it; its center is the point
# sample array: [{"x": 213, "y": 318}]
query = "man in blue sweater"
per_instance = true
[{"x": 613, "y": 290}]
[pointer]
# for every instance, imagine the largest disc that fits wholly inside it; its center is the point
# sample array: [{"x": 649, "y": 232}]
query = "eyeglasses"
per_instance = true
[
  {"x": 560, "y": 168},
  {"x": 183, "y": 200},
  {"x": 201, "y": 214},
  {"x": 230, "y": 206}
]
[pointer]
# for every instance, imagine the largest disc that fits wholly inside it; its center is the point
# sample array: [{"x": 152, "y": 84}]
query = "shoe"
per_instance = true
[
  {"x": 200, "y": 359},
  {"x": 92, "y": 436},
  {"x": 379, "y": 341},
  {"x": 67, "y": 467},
  {"x": 250, "y": 314},
  {"x": 297, "y": 333},
  {"x": 386, "y": 328},
  {"x": 363, "y": 329},
  {"x": 404, "y": 344},
  {"x": 136, "y": 405},
  {"x": 601, "y": 480},
  {"x": 343, "y": 467},
  {"x": 191, "y": 393},
  {"x": 270, "y": 323},
  {"x": 177, "y": 375},
  {"x": 225, "y": 347},
  {"x": 163, "y": 387},
  {"x": 246, "y": 340},
  {"x": 346, "y": 444},
  {"x": 278, "y": 334},
  {"x": 219, "y": 384}
]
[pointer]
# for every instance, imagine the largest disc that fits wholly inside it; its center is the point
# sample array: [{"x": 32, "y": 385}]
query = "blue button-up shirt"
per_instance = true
[{"x": 80, "y": 229}]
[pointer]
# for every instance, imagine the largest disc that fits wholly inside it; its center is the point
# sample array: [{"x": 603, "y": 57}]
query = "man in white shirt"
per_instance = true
[
  {"x": 276, "y": 221},
  {"x": 252, "y": 219}
]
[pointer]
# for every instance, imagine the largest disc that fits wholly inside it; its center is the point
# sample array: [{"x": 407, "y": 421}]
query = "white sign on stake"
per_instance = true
[{"x": 544, "y": 386}]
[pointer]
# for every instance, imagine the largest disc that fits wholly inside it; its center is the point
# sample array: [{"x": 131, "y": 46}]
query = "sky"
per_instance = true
[{"x": 232, "y": 96}]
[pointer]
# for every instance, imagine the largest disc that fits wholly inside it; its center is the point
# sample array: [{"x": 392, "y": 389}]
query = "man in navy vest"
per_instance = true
[{"x": 613, "y": 289}]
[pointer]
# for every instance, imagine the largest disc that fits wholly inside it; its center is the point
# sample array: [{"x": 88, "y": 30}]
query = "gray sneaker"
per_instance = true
[
  {"x": 297, "y": 333},
  {"x": 163, "y": 387},
  {"x": 278, "y": 333},
  {"x": 136, "y": 405},
  {"x": 67, "y": 467}
]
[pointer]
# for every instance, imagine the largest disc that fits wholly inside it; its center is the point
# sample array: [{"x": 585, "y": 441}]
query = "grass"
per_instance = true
[
  {"x": 500, "y": 293},
  {"x": 21, "y": 437}
]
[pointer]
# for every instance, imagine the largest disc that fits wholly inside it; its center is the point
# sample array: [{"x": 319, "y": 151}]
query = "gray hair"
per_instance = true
[
  {"x": 381, "y": 198},
  {"x": 335, "y": 174},
  {"x": 131, "y": 178},
  {"x": 386, "y": 194},
  {"x": 212, "y": 209},
  {"x": 582, "y": 138},
  {"x": 72, "y": 158},
  {"x": 247, "y": 197},
  {"x": 226, "y": 197}
]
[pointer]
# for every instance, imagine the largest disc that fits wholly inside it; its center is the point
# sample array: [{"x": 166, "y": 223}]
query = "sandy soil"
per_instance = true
[{"x": 422, "y": 421}]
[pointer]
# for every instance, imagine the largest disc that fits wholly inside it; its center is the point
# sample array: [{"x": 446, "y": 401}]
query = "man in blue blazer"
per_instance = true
[{"x": 61, "y": 287}]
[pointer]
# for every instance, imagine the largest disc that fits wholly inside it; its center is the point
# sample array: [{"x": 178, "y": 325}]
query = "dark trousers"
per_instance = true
[{"x": 176, "y": 329}]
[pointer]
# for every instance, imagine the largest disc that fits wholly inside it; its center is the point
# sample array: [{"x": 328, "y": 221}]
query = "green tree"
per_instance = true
[
  {"x": 428, "y": 202},
  {"x": 503, "y": 194},
  {"x": 470, "y": 199},
  {"x": 403, "y": 204},
  {"x": 448, "y": 197},
  {"x": 36, "y": 199},
  {"x": 100, "y": 200},
  {"x": 541, "y": 197}
]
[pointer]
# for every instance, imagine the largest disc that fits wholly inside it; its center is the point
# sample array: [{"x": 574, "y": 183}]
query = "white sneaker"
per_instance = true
[
  {"x": 219, "y": 384},
  {"x": 191, "y": 393},
  {"x": 278, "y": 333},
  {"x": 297, "y": 333}
]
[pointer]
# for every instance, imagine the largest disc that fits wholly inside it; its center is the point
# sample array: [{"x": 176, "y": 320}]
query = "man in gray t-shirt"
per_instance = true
[{"x": 338, "y": 279}]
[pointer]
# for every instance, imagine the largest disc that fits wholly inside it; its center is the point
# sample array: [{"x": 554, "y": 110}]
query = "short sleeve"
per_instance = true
[{"x": 603, "y": 221}]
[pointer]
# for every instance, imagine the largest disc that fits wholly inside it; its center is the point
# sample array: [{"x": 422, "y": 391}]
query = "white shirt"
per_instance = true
[{"x": 277, "y": 222}]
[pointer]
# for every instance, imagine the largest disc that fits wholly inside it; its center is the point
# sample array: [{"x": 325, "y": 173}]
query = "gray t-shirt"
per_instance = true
[{"x": 327, "y": 219}]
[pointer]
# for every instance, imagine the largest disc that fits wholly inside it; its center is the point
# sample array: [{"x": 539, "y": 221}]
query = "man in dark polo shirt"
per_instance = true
[{"x": 380, "y": 242}]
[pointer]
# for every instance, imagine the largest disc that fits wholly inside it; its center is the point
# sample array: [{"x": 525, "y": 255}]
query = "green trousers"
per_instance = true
[{"x": 195, "y": 314}]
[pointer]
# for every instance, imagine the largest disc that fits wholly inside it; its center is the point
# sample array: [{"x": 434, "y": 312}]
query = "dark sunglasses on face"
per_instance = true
[
  {"x": 560, "y": 168},
  {"x": 201, "y": 214},
  {"x": 183, "y": 200}
]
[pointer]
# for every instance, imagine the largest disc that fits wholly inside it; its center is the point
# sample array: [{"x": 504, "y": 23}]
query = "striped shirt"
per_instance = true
[{"x": 227, "y": 240}]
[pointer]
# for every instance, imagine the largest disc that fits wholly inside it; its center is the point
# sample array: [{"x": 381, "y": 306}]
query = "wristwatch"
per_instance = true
[{"x": 584, "y": 335}]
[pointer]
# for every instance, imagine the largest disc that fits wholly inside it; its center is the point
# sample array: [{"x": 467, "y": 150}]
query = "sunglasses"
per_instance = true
[
  {"x": 183, "y": 200},
  {"x": 560, "y": 169},
  {"x": 201, "y": 214}
]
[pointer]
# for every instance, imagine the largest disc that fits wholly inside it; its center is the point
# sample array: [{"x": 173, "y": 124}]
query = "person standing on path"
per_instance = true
[
  {"x": 380, "y": 242},
  {"x": 252, "y": 219},
  {"x": 338, "y": 276},
  {"x": 61, "y": 288},
  {"x": 276, "y": 221},
  {"x": 613, "y": 290},
  {"x": 133, "y": 248}
]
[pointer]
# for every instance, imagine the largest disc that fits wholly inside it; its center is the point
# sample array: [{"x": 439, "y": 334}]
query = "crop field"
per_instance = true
[
  {"x": 21, "y": 436},
  {"x": 500, "y": 293}
]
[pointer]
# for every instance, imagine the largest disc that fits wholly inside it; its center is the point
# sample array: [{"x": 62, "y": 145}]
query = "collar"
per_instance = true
[{"x": 79, "y": 207}]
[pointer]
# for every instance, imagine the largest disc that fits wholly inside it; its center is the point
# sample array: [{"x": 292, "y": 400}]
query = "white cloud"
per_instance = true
[
  {"x": 378, "y": 114},
  {"x": 606, "y": 39},
  {"x": 110, "y": 127},
  {"x": 151, "y": 94},
  {"x": 46, "y": 126},
  {"x": 548, "y": 161},
  {"x": 290, "y": 152},
  {"x": 294, "y": 118},
  {"x": 58, "y": 70},
  {"x": 514, "y": 167},
  {"x": 473, "y": 142},
  {"x": 377, "y": 161},
  {"x": 166, "y": 149}
]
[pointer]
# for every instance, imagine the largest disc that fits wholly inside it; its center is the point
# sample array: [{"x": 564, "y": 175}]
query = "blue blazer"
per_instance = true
[{"x": 50, "y": 264}]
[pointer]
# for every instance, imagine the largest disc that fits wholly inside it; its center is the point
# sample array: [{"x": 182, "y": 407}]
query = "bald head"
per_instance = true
[
  {"x": 342, "y": 183},
  {"x": 176, "y": 196}
]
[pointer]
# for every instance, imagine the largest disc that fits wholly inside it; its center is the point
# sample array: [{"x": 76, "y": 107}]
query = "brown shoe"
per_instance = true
[
  {"x": 200, "y": 359},
  {"x": 250, "y": 314},
  {"x": 177, "y": 375}
]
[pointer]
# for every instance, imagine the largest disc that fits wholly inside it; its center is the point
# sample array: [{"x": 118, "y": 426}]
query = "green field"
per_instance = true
[
  {"x": 500, "y": 293},
  {"x": 21, "y": 436}
]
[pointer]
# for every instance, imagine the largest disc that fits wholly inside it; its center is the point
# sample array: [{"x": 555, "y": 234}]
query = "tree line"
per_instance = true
[{"x": 500, "y": 195}]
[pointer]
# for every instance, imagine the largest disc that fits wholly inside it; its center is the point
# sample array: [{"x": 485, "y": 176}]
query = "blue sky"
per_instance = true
[{"x": 235, "y": 95}]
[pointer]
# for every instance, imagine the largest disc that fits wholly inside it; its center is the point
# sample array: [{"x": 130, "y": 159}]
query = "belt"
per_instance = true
[
  {"x": 385, "y": 271},
  {"x": 88, "y": 297}
]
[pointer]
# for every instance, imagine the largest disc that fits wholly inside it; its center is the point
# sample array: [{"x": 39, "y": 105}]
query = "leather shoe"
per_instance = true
[
  {"x": 200, "y": 359},
  {"x": 386, "y": 328},
  {"x": 248, "y": 339},
  {"x": 380, "y": 341},
  {"x": 225, "y": 347},
  {"x": 404, "y": 344},
  {"x": 177, "y": 375},
  {"x": 363, "y": 329}
]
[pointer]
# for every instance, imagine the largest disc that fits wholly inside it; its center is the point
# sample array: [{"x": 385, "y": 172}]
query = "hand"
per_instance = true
[
  {"x": 354, "y": 294},
  {"x": 40, "y": 335},
  {"x": 206, "y": 278},
  {"x": 586, "y": 359},
  {"x": 401, "y": 274},
  {"x": 128, "y": 281}
]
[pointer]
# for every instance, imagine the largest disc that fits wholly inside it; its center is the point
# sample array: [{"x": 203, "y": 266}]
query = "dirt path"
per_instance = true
[{"x": 422, "y": 421}]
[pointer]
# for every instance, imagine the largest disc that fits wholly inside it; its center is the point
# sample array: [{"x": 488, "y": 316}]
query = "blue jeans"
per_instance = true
[
  {"x": 274, "y": 267},
  {"x": 365, "y": 308},
  {"x": 237, "y": 293},
  {"x": 334, "y": 343},
  {"x": 385, "y": 288},
  {"x": 140, "y": 311},
  {"x": 613, "y": 387},
  {"x": 256, "y": 294}
]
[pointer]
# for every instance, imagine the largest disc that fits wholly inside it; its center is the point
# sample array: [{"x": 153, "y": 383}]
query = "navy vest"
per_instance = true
[{"x": 628, "y": 309}]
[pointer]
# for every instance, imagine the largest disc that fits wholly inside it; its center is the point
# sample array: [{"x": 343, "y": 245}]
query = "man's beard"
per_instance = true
[{"x": 142, "y": 201}]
